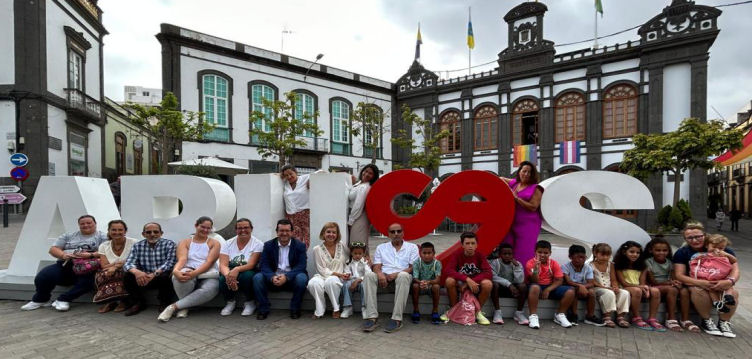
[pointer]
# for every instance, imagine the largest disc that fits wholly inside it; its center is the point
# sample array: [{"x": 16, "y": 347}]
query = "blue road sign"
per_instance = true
[
  {"x": 19, "y": 159},
  {"x": 19, "y": 173}
]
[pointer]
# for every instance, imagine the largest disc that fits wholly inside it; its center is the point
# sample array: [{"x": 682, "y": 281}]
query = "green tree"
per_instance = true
[
  {"x": 689, "y": 147},
  {"x": 169, "y": 125},
  {"x": 276, "y": 130},
  {"x": 368, "y": 120},
  {"x": 425, "y": 155}
]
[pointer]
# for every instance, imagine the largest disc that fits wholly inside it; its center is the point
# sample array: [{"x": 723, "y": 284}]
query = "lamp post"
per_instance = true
[{"x": 318, "y": 57}]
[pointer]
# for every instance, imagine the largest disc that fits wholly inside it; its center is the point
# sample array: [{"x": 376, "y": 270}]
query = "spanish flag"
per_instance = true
[
  {"x": 525, "y": 153},
  {"x": 470, "y": 37}
]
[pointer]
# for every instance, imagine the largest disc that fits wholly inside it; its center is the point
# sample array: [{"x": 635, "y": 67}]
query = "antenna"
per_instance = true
[{"x": 720, "y": 117}]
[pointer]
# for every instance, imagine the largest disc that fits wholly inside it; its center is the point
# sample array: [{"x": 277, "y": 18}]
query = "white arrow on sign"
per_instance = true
[
  {"x": 13, "y": 198},
  {"x": 9, "y": 189}
]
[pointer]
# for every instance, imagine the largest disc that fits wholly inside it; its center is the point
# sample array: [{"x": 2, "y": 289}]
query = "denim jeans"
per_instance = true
[
  {"x": 58, "y": 274},
  {"x": 295, "y": 285}
]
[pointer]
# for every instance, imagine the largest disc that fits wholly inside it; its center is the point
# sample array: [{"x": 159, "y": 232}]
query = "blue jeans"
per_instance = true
[
  {"x": 57, "y": 274},
  {"x": 245, "y": 286},
  {"x": 295, "y": 285},
  {"x": 346, "y": 295}
]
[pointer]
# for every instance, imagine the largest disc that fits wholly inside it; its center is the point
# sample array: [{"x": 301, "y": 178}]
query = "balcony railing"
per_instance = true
[
  {"x": 317, "y": 144},
  {"x": 218, "y": 134},
  {"x": 739, "y": 172},
  {"x": 368, "y": 152},
  {"x": 77, "y": 100}
]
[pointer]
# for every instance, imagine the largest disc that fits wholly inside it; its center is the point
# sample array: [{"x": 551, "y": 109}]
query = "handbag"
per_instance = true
[
  {"x": 83, "y": 266},
  {"x": 464, "y": 311}
]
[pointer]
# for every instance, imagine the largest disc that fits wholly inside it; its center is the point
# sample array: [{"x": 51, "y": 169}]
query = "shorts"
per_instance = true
[
  {"x": 557, "y": 293},
  {"x": 426, "y": 291}
]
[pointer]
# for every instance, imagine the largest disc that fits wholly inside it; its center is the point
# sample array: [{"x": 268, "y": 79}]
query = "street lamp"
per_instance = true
[{"x": 318, "y": 57}]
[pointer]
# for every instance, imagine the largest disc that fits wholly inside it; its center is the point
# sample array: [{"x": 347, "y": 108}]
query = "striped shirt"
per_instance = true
[{"x": 149, "y": 259}]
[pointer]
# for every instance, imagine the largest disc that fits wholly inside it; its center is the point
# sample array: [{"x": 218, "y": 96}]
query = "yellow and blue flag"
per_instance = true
[
  {"x": 470, "y": 37},
  {"x": 418, "y": 42}
]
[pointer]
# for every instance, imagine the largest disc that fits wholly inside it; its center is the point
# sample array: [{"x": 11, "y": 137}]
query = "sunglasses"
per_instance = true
[
  {"x": 395, "y": 231},
  {"x": 357, "y": 245},
  {"x": 152, "y": 232},
  {"x": 696, "y": 238}
]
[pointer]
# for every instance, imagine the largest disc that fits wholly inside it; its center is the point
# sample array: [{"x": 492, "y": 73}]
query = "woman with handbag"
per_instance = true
[
  {"x": 109, "y": 280},
  {"x": 77, "y": 261},
  {"x": 195, "y": 276}
]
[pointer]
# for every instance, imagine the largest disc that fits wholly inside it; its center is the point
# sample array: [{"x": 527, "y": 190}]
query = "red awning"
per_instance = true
[{"x": 731, "y": 157}]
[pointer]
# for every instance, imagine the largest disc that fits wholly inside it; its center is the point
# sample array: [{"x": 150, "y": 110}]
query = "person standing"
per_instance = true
[
  {"x": 527, "y": 217},
  {"x": 283, "y": 267},
  {"x": 392, "y": 263},
  {"x": 357, "y": 222},
  {"x": 734, "y": 216},
  {"x": 148, "y": 267},
  {"x": 297, "y": 206}
]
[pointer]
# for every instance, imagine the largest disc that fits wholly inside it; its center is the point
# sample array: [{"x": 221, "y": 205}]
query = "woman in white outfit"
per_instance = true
[
  {"x": 330, "y": 256},
  {"x": 357, "y": 222},
  {"x": 195, "y": 275}
]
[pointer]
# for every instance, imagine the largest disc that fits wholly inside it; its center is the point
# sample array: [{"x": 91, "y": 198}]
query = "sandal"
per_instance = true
[
  {"x": 121, "y": 307},
  {"x": 689, "y": 326},
  {"x": 639, "y": 323},
  {"x": 623, "y": 323},
  {"x": 656, "y": 325},
  {"x": 335, "y": 315},
  {"x": 610, "y": 323},
  {"x": 673, "y": 325},
  {"x": 107, "y": 307}
]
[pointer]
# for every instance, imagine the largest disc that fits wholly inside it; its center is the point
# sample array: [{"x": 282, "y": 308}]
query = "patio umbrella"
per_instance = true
[{"x": 219, "y": 166}]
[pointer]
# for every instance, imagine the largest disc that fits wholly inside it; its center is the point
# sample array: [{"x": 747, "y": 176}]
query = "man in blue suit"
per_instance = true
[{"x": 283, "y": 267}]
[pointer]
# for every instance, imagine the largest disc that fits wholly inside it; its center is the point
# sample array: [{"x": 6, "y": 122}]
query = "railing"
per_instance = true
[
  {"x": 314, "y": 144},
  {"x": 82, "y": 102},
  {"x": 218, "y": 134},
  {"x": 341, "y": 148},
  {"x": 739, "y": 172}
]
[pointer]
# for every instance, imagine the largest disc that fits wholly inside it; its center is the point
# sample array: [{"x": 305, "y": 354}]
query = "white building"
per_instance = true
[
  {"x": 142, "y": 95},
  {"x": 51, "y": 87},
  {"x": 227, "y": 80}
]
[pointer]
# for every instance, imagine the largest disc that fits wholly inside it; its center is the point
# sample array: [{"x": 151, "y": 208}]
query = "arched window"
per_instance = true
[
  {"x": 486, "y": 128},
  {"x": 340, "y": 127},
  {"x": 138, "y": 156},
  {"x": 215, "y": 103},
  {"x": 450, "y": 121},
  {"x": 120, "y": 142},
  {"x": 304, "y": 107},
  {"x": 620, "y": 111},
  {"x": 259, "y": 92},
  {"x": 525, "y": 122},
  {"x": 570, "y": 117}
]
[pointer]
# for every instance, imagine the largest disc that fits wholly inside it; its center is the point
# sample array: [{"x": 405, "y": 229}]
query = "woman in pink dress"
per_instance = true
[{"x": 527, "y": 217}]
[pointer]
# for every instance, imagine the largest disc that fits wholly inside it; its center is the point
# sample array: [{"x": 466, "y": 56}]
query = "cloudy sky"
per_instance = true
[{"x": 377, "y": 38}]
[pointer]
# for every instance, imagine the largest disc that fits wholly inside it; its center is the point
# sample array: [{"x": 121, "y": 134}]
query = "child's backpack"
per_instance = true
[
  {"x": 464, "y": 311},
  {"x": 710, "y": 268}
]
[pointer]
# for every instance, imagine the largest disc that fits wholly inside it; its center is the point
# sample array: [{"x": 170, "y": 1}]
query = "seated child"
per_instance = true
[
  {"x": 426, "y": 276},
  {"x": 357, "y": 268},
  {"x": 632, "y": 275},
  {"x": 580, "y": 277},
  {"x": 509, "y": 281},
  {"x": 545, "y": 279},
  {"x": 713, "y": 265},
  {"x": 468, "y": 269},
  {"x": 661, "y": 276},
  {"x": 607, "y": 291}
]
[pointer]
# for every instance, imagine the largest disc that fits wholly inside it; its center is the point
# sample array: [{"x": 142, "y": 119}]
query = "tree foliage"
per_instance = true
[
  {"x": 689, "y": 147},
  {"x": 283, "y": 130},
  {"x": 425, "y": 155},
  {"x": 169, "y": 125},
  {"x": 367, "y": 118}
]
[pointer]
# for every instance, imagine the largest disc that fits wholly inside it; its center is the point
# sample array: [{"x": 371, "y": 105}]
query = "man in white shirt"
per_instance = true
[{"x": 392, "y": 263}]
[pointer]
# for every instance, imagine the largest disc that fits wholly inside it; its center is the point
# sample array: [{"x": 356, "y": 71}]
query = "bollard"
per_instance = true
[{"x": 5, "y": 213}]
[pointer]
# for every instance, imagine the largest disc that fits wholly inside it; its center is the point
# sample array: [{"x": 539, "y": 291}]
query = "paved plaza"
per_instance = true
[{"x": 82, "y": 332}]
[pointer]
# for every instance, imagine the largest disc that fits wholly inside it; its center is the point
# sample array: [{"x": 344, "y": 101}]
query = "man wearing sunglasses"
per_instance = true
[
  {"x": 392, "y": 263},
  {"x": 148, "y": 267}
]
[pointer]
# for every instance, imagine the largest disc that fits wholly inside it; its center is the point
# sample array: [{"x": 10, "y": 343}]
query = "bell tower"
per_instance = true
[{"x": 526, "y": 47}]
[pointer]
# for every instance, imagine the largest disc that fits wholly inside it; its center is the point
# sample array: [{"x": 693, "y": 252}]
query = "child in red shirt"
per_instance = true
[
  {"x": 469, "y": 269},
  {"x": 545, "y": 279}
]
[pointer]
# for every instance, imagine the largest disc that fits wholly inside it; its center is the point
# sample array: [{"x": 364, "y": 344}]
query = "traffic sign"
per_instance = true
[
  {"x": 19, "y": 159},
  {"x": 9, "y": 189},
  {"x": 19, "y": 173},
  {"x": 13, "y": 198}
]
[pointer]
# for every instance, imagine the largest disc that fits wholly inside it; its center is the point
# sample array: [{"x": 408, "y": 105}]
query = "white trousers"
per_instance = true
[
  {"x": 610, "y": 301},
  {"x": 318, "y": 286}
]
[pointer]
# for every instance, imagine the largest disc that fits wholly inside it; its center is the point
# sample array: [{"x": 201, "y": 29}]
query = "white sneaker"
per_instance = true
[
  {"x": 61, "y": 306},
  {"x": 497, "y": 317},
  {"x": 248, "y": 308},
  {"x": 560, "y": 319},
  {"x": 32, "y": 305},
  {"x": 166, "y": 313},
  {"x": 227, "y": 310},
  {"x": 347, "y": 312},
  {"x": 534, "y": 321},
  {"x": 183, "y": 313},
  {"x": 520, "y": 318}
]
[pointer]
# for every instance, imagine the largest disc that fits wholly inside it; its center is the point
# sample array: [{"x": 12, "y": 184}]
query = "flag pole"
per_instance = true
[
  {"x": 469, "y": 49},
  {"x": 595, "y": 43}
]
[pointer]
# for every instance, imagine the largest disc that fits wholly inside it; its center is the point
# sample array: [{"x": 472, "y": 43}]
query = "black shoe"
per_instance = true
[
  {"x": 294, "y": 314},
  {"x": 262, "y": 315},
  {"x": 572, "y": 318}
]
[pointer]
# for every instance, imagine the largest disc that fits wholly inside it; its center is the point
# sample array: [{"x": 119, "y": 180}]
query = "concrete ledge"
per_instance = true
[{"x": 22, "y": 288}]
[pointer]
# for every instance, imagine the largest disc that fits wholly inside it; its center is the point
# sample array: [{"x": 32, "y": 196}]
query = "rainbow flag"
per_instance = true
[
  {"x": 525, "y": 153},
  {"x": 569, "y": 152}
]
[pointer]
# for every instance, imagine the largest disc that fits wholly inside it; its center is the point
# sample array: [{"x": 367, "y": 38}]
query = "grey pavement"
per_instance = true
[{"x": 82, "y": 332}]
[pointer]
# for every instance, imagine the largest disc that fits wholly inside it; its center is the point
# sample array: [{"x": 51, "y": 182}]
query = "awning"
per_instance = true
[
  {"x": 736, "y": 156},
  {"x": 219, "y": 166}
]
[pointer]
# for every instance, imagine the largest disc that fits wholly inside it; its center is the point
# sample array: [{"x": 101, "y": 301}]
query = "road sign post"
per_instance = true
[
  {"x": 19, "y": 159},
  {"x": 19, "y": 174}
]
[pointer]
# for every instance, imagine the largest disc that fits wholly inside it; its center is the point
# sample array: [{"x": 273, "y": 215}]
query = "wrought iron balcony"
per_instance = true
[
  {"x": 315, "y": 144},
  {"x": 84, "y": 104}
]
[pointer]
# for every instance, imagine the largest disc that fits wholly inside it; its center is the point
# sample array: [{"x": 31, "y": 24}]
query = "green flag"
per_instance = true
[{"x": 599, "y": 7}]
